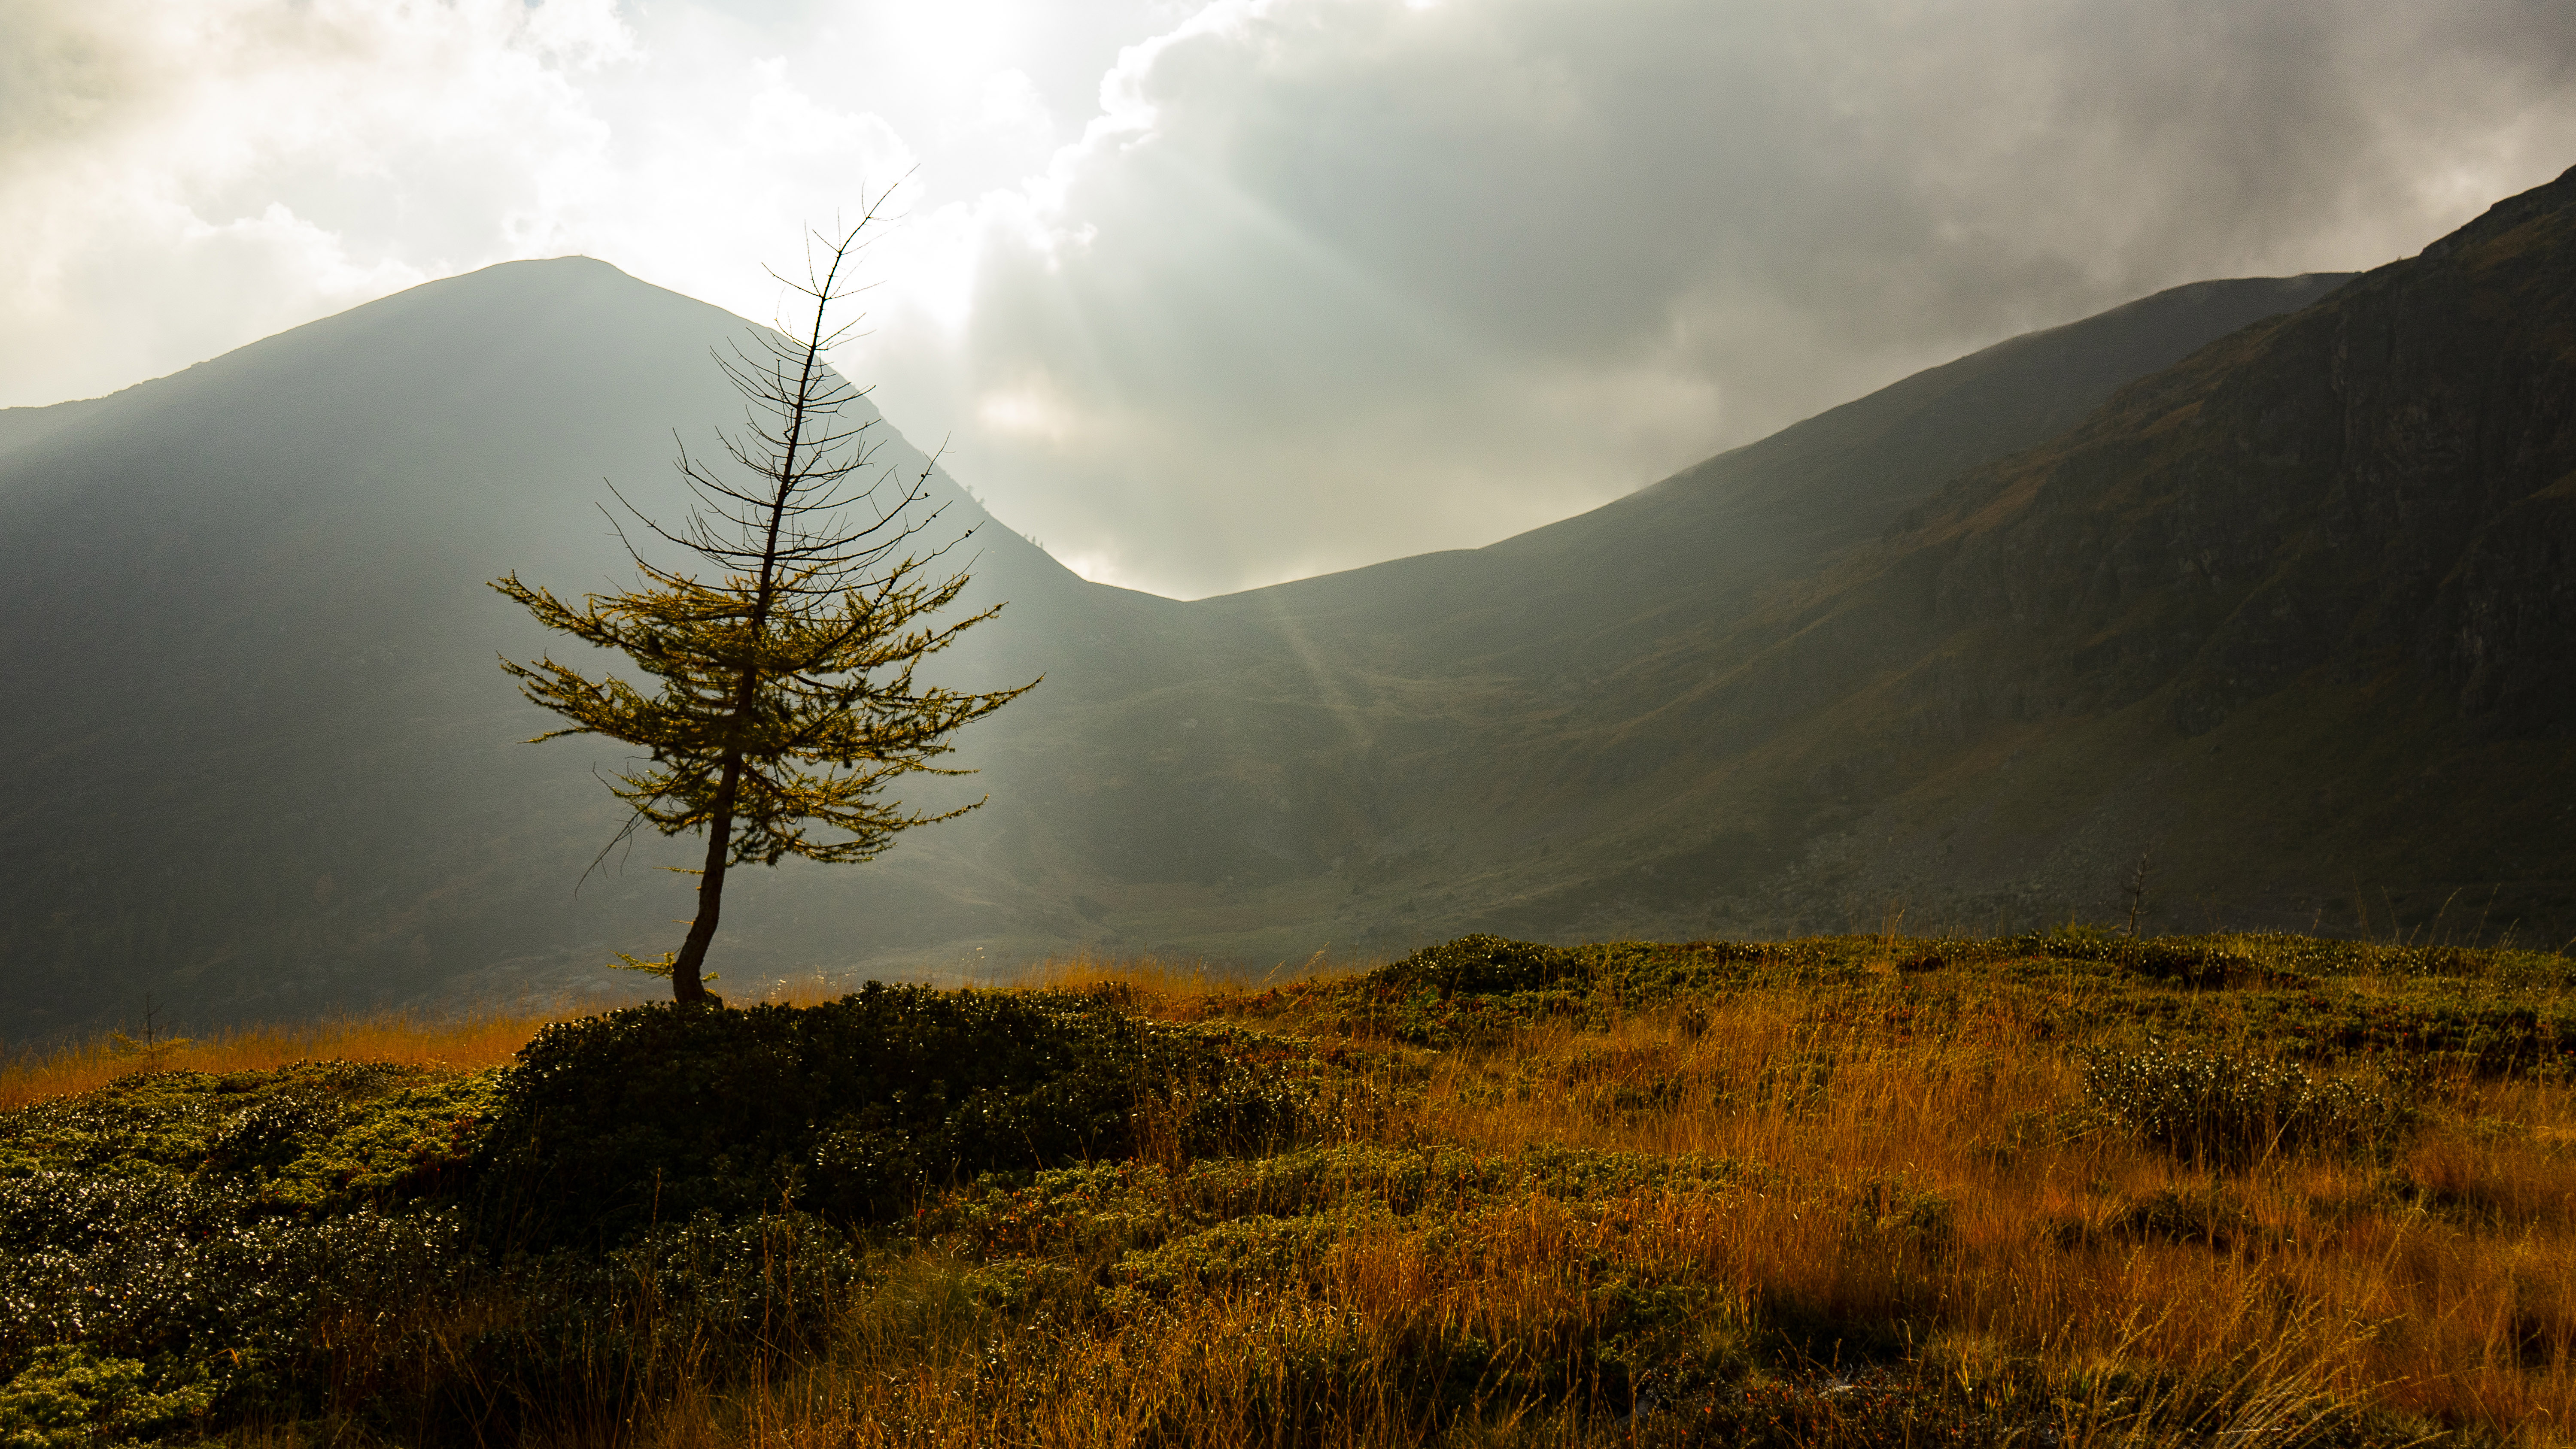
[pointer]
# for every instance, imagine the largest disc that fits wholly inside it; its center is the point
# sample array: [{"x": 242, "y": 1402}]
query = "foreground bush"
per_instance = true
[
  {"x": 645, "y": 1196},
  {"x": 850, "y": 1109},
  {"x": 171, "y": 1245}
]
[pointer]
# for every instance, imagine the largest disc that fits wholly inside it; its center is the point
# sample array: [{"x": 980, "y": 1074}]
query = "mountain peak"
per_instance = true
[{"x": 2506, "y": 215}]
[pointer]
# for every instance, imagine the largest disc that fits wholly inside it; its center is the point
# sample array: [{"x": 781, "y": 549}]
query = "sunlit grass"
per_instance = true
[
  {"x": 1172, "y": 989},
  {"x": 1176, "y": 988},
  {"x": 1941, "y": 1181},
  {"x": 2441, "y": 1283},
  {"x": 463, "y": 1042},
  {"x": 1916, "y": 1179}
]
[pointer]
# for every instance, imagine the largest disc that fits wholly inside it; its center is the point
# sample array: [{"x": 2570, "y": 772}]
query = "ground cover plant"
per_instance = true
[{"x": 2069, "y": 1188}]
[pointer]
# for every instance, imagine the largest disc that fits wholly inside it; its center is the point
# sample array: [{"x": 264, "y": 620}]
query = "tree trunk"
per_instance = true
[{"x": 687, "y": 985}]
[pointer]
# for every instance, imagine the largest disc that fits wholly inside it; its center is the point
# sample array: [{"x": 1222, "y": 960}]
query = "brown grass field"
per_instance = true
[
  {"x": 2331, "y": 1293},
  {"x": 1917, "y": 1236},
  {"x": 459, "y": 1044}
]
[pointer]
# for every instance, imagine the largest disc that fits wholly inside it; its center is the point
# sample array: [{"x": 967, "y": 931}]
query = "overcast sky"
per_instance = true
[{"x": 1208, "y": 296}]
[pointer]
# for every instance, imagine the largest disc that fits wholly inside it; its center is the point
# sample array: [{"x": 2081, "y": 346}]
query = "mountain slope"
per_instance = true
[
  {"x": 1443, "y": 717},
  {"x": 1938, "y": 648},
  {"x": 2289, "y": 620},
  {"x": 1768, "y": 510},
  {"x": 2293, "y": 616},
  {"x": 266, "y": 758}
]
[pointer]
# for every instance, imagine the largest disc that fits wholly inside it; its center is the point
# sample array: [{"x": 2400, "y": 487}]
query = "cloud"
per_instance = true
[
  {"x": 1331, "y": 280},
  {"x": 688, "y": 142},
  {"x": 193, "y": 177},
  {"x": 1211, "y": 295}
]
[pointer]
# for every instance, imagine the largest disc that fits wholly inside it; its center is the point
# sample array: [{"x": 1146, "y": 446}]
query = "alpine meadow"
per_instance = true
[{"x": 571, "y": 887}]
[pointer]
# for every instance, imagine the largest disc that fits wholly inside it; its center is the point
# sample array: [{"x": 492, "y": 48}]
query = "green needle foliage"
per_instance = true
[{"x": 787, "y": 698}]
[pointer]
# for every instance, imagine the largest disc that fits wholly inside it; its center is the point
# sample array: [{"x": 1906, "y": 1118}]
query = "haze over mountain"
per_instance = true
[
  {"x": 1217, "y": 293},
  {"x": 273, "y": 763},
  {"x": 2283, "y": 603}
]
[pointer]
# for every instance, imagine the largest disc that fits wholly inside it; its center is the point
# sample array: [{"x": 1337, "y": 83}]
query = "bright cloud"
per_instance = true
[
  {"x": 1330, "y": 280},
  {"x": 1209, "y": 295}
]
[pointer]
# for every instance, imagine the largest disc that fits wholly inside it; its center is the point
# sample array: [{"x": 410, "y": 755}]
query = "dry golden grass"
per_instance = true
[
  {"x": 1175, "y": 990},
  {"x": 1147, "y": 980},
  {"x": 1937, "y": 1175},
  {"x": 463, "y": 1042},
  {"x": 2452, "y": 1299},
  {"x": 2458, "y": 1304}
]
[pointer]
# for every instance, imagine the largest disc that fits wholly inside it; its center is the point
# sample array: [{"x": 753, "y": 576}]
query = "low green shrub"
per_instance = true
[
  {"x": 313, "y": 1137},
  {"x": 173, "y": 1240},
  {"x": 195, "y": 1277},
  {"x": 1256, "y": 1248},
  {"x": 1633, "y": 973},
  {"x": 1488, "y": 965},
  {"x": 69, "y": 1398},
  {"x": 1479, "y": 989},
  {"x": 2213, "y": 960},
  {"x": 678, "y": 1302},
  {"x": 2323, "y": 957},
  {"x": 1896, "y": 1211},
  {"x": 2231, "y": 1111},
  {"x": 1105, "y": 1209},
  {"x": 850, "y": 1109},
  {"x": 2182, "y": 960}
]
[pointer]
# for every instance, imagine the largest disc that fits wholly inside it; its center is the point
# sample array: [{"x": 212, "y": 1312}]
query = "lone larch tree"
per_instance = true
[{"x": 788, "y": 696}]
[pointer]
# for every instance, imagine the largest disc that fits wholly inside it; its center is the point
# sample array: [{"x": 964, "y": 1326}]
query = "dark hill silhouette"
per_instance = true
[
  {"x": 1469, "y": 734},
  {"x": 2292, "y": 616},
  {"x": 1966, "y": 645},
  {"x": 1771, "y": 509}
]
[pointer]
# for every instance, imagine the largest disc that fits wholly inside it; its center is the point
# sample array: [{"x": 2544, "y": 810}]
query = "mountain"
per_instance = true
[
  {"x": 2299, "y": 609},
  {"x": 2289, "y": 619},
  {"x": 1476, "y": 739},
  {"x": 266, "y": 762},
  {"x": 2263, "y": 579}
]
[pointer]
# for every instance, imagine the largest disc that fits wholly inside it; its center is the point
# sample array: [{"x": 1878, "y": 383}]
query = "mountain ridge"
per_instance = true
[{"x": 1724, "y": 703}]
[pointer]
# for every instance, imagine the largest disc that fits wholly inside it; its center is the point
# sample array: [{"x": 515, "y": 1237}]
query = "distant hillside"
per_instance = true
[
  {"x": 2292, "y": 617},
  {"x": 265, "y": 761},
  {"x": 1513, "y": 737},
  {"x": 2299, "y": 613},
  {"x": 2274, "y": 600}
]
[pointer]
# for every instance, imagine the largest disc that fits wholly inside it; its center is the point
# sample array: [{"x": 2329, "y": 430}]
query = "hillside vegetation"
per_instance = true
[
  {"x": 2292, "y": 614},
  {"x": 304, "y": 748},
  {"x": 2070, "y": 1188}
]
